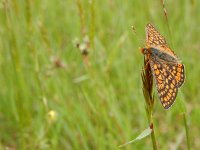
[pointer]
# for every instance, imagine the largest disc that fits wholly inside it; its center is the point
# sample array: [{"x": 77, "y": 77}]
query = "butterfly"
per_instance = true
[{"x": 166, "y": 67}]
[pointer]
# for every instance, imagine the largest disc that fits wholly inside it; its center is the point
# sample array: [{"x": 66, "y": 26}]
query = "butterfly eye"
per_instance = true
[{"x": 144, "y": 51}]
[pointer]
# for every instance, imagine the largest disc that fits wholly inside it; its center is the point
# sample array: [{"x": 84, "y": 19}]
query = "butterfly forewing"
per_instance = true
[{"x": 153, "y": 37}]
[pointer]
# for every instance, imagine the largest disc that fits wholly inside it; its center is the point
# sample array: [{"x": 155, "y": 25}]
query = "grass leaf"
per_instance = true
[{"x": 144, "y": 134}]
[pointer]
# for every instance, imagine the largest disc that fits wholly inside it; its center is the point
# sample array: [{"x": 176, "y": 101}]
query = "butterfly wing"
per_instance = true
[
  {"x": 177, "y": 70},
  {"x": 166, "y": 83},
  {"x": 166, "y": 68},
  {"x": 153, "y": 37}
]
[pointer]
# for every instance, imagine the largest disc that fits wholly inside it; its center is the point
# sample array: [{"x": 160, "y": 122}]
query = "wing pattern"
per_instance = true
[
  {"x": 166, "y": 83},
  {"x": 168, "y": 71},
  {"x": 153, "y": 37}
]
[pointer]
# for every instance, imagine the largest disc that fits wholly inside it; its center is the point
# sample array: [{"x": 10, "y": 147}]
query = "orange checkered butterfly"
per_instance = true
[{"x": 167, "y": 69}]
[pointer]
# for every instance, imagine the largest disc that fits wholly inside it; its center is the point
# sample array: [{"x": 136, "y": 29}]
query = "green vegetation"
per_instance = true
[{"x": 53, "y": 97}]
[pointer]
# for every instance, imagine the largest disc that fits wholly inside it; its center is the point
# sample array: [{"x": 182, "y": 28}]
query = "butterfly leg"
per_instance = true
[{"x": 147, "y": 63}]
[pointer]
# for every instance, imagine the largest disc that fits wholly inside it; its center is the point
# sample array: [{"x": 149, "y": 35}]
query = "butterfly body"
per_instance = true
[
  {"x": 167, "y": 69},
  {"x": 163, "y": 56}
]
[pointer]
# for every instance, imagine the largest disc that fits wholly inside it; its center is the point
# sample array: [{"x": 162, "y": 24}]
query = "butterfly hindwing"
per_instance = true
[
  {"x": 177, "y": 70},
  {"x": 166, "y": 83}
]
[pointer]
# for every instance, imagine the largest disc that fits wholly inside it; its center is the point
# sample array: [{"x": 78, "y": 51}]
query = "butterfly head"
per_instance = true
[{"x": 145, "y": 50}]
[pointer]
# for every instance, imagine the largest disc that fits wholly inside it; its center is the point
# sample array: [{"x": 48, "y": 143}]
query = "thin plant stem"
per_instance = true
[
  {"x": 184, "y": 114},
  {"x": 92, "y": 23},
  {"x": 153, "y": 139},
  {"x": 166, "y": 18},
  {"x": 149, "y": 98},
  {"x": 82, "y": 17},
  {"x": 87, "y": 44},
  {"x": 186, "y": 130}
]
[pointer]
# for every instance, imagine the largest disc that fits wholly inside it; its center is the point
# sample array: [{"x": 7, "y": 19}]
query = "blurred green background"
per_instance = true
[{"x": 52, "y": 97}]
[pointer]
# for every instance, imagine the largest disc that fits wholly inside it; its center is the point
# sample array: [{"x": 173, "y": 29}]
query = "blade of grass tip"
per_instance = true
[
  {"x": 186, "y": 131},
  {"x": 144, "y": 134},
  {"x": 166, "y": 17}
]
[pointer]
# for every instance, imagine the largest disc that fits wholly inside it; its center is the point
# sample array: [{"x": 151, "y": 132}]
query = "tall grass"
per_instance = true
[
  {"x": 49, "y": 97},
  {"x": 147, "y": 80}
]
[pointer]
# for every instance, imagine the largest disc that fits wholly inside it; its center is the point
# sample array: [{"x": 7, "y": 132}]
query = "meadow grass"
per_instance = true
[{"x": 51, "y": 98}]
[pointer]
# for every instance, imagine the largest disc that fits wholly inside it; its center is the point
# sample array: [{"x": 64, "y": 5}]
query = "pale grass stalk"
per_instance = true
[{"x": 149, "y": 98}]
